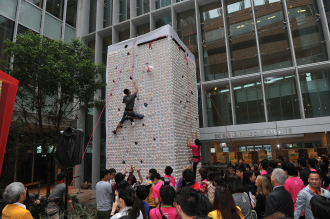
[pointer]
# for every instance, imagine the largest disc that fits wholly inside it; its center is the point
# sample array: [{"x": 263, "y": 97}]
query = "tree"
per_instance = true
[{"x": 56, "y": 79}]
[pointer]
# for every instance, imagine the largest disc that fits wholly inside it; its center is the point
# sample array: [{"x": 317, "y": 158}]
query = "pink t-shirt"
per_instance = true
[
  {"x": 156, "y": 189},
  {"x": 196, "y": 152},
  {"x": 264, "y": 172},
  {"x": 294, "y": 185},
  {"x": 171, "y": 178},
  {"x": 170, "y": 213},
  {"x": 202, "y": 186}
]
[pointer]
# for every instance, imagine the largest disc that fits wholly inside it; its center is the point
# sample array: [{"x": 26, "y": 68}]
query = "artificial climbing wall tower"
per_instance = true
[{"x": 165, "y": 73}]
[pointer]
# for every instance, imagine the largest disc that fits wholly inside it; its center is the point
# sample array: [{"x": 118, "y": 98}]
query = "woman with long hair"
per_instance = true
[
  {"x": 263, "y": 190},
  {"x": 249, "y": 178},
  {"x": 196, "y": 150},
  {"x": 128, "y": 203},
  {"x": 224, "y": 206},
  {"x": 235, "y": 186}
]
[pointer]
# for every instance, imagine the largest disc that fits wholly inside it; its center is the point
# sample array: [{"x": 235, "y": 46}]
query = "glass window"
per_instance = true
[
  {"x": 258, "y": 147},
  {"x": 92, "y": 16},
  {"x": 53, "y": 27},
  {"x": 56, "y": 8},
  {"x": 273, "y": 36},
  {"x": 71, "y": 13},
  {"x": 327, "y": 11},
  {"x": 250, "y": 148},
  {"x": 164, "y": 21},
  {"x": 37, "y": 2},
  {"x": 308, "y": 145},
  {"x": 287, "y": 146},
  {"x": 8, "y": 8},
  {"x": 214, "y": 45},
  {"x": 142, "y": 7},
  {"x": 200, "y": 110},
  {"x": 124, "y": 10},
  {"x": 282, "y": 99},
  {"x": 316, "y": 93},
  {"x": 107, "y": 15},
  {"x": 162, "y": 3},
  {"x": 69, "y": 33},
  {"x": 221, "y": 100},
  {"x": 124, "y": 35},
  {"x": 143, "y": 29},
  {"x": 268, "y": 148},
  {"x": 6, "y": 32},
  {"x": 30, "y": 16},
  {"x": 21, "y": 29},
  {"x": 249, "y": 103},
  {"x": 318, "y": 144},
  {"x": 187, "y": 32},
  {"x": 91, "y": 45},
  {"x": 107, "y": 41},
  {"x": 307, "y": 32},
  {"x": 242, "y": 148},
  {"x": 242, "y": 41}
]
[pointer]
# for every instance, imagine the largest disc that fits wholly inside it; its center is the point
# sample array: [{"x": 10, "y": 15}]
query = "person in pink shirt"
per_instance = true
[
  {"x": 168, "y": 171},
  {"x": 263, "y": 167},
  {"x": 196, "y": 150},
  {"x": 293, "y": 184},
  {"x": 203, "y": 187},
  {"x": 167, "y": 196},
  {"x": 158, "y": 182}
]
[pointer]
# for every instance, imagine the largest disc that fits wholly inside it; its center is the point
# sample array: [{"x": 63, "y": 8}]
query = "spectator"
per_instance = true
[
  {"x": 112, "y": 175},
  {"x": 158, "y": 182},
  {"x": 188, "y": 177},
  {"x": 103, "y": 195},
  {"x": 118, "y": 178},
  {"x": 279, "y": 200},
  {"x": 142, "y": 193},
  {"x": 311, "y": 164},
  {"x": 210, "y": 186},
  {"x": 323, "y": 170},
  {"x": 235, "y": 186},
  {"x": 30, "y": 200},
  {"x": 167, "y": 196},
  {"x": 187, "y": 203},
  {"x": 270, "y": 171},
  {"x": 240, "y": 171},
  {"x": 293, "y": 184},
  {"x": 319, "y": 161},
  {"x": 231, "y": 169},
  {"x": 304, "y": 173},
  {"x": 249, "y": 179},
  {"x": 219, "y": 181},
  {"x": 203, "y": 186},
  {"x": 273, "y": 164},
  {"x": 254, "y": 168},
  {"x": 150, "y": 185},
  {"x": 15, "y": 195},
  {"x": 279, "y": 159},
  {"x": 305, "y": 195},
  {"x": 168, "y": 171},
  {"x": 128, "y": 203},
  {"x": 263, "y": 190},
  {"x": 181, "y": 183},
  {"x": 55, "y": 198},
  {"x": 263, "y": 166},
  {"x": 224, "y": 205},
  {"x": 320, "y": 207},
  {"x": 247, "y": 166}
]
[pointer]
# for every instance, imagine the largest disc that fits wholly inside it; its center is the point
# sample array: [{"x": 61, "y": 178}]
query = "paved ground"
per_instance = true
[{"x": 85, "y": 196}]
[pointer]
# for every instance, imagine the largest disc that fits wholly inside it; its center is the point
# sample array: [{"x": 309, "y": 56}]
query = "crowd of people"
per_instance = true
[{"x": 273, "y": 189}]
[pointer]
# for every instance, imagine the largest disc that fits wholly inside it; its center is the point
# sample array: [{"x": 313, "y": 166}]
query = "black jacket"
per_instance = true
[
  {"x": 260, "y": 206},
  {"x": 280, "y": 200},
  {"x": 304, "y": 175}
]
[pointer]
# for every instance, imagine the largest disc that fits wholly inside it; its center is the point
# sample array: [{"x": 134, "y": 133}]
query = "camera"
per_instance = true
[{"x": 166, "y": 181}]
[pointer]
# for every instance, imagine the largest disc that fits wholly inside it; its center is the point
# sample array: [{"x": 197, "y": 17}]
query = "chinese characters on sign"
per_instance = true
[{"x": 269, "y": 132}]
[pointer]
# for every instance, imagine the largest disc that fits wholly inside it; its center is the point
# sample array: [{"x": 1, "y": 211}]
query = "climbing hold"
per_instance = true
[
  {"x": 113, "y": 81},
  {"x": 110, "y": 94},
  {"x": 137, "y": 98},
  {"x": 123, "y": 162},
  {"x": 196, "y": 118},
  {"x": 150, "y": 94},
  {"x": 147, "y": 177},
  {"x": 154, "y": 139},
  {"x": 116, "y": 67},
  {"x": 126, "y": 46},
  {"x": 142, "y": 124},
  {"x": 118, "y": 109},
  {"x": 180, "y": 101},
  {"x": 182, "y": 76},
  {"x": 141, "y": 161},
  {"x": 145, "y": 104},
  {"x": 128, "y": 54},
  {"x": 131, "y": 78},
  {"x": 192, "y": 92},
  {"x": 136, "y": 143}
]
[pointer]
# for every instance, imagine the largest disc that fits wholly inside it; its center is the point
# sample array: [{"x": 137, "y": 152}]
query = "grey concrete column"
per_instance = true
[
  {"x": 133, "y": 30},
  {"x": 115, "y": 35},
  {"x": 230, "y": 71},
  {"x": 64, "y": 19},
  {"x": 152, "y": 23},
  {"x": 16, "y": 20},
  {"x": 99, "y": 14},
  {"x": 201, "y": 65},
  {"x": 133, "y": 10},
  {"x": 256, "y": 32},
  {"x": 325, "y": 26},
  {"x": 174, "y": 17},
  {"x": 96, "y": 114},
  {"x": 115, "y": 13},
  {"x": 152, "y": 5},
  {"x": 43, "y": 14},
  {"x": 83, "y": 14},
  {"x": 294, "y": 60},
  {"x": 80, "y": 172}
]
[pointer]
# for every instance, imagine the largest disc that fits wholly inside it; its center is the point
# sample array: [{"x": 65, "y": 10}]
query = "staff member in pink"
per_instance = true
[{"x": 196, "y": 149}]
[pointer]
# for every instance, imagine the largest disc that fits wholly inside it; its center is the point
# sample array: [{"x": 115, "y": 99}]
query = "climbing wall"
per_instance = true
[{"x": 167, "y": 97}]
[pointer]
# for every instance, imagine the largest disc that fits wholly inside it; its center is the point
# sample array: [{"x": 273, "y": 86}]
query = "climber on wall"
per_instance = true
[
  {"x": 196, "y": 149},
  {"x": 129, "y": 100}
]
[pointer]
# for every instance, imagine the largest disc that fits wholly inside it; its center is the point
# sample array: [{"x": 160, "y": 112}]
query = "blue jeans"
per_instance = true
[{"x": 130, "y": 114}]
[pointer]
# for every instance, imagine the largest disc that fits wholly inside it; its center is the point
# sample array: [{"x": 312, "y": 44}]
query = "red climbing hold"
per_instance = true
[
  {"x": 154, "y": 139},
  {"x": 118, "y": 109}
]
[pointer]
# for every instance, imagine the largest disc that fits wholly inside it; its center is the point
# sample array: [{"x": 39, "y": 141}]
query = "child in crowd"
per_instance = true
[
  {"x": 168, "y": 171},
  {"x": 203, "y": 187},
  {"x": 210, "y": 186}
]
